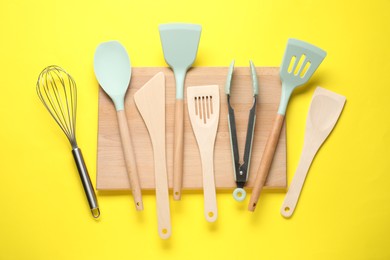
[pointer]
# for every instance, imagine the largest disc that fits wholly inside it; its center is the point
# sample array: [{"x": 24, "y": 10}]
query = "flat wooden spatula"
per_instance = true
[
  {"x": 325, "y": 109},
  {"x": 150, "y": 101},
  {"x": 203, "y": 109}
]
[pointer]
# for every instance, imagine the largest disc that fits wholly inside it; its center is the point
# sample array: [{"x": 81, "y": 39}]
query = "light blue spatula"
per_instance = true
[{"x": 180, "y": 45}]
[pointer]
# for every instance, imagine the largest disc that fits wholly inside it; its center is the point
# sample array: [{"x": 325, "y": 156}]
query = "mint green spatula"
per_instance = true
[
  {"x": 300, "y": 61},
  {"x": 180, "y": 45},
  {"x": 113, "y": 72}
]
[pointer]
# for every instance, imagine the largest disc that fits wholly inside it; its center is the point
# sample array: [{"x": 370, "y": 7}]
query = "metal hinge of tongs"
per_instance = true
[{"x": 241, "y": 170}]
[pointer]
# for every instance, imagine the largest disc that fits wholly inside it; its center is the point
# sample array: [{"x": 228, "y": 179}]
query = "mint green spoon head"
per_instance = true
[
  {"x": 301, "y": 60},
  {"x": 113, "y": 71}
]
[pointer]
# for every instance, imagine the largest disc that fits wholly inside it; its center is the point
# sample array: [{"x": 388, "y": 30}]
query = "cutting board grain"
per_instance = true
[{"x": 111, "y": 170}]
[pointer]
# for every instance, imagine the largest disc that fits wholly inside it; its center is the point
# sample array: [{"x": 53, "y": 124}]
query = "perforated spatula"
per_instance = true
[
  {"x": 203, "y": 109},
  {"x": 300, "y": 61},
  {"x": 180, "y": 45},
  {"x": 325, "y": 109},
  {"x": 113, "y": 72}
]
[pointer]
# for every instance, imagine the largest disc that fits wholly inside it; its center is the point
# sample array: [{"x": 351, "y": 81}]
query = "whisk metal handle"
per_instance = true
[{"x": 86, "y": 181}]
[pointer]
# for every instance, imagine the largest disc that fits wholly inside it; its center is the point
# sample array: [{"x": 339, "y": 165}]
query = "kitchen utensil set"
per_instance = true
[{"x": 57, "y": 91}]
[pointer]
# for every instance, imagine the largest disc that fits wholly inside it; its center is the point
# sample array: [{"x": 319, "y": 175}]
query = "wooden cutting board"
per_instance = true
[{"x": 111, "y": 173}]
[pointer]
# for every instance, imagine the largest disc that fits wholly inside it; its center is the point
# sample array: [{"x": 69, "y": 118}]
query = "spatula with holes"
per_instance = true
[
  {"x": 203, "y": 109},
  {"x": 300, "y": 61}
]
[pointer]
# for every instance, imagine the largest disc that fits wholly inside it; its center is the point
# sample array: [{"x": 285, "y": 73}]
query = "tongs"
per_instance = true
[{"x": 241, "y": 170}]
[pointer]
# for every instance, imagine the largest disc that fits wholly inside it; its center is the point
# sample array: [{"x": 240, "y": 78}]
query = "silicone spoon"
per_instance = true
[{"x": 113, "y": 72}]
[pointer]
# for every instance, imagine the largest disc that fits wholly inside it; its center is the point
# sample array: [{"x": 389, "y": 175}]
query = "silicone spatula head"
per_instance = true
[
  {"x": 113, "y": 71},
  {"x": 180, "y": 46},
  {"x": 301, "y": 60}
]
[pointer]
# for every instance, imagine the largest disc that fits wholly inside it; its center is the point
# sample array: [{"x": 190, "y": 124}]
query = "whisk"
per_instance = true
[{"x": 57, "y": 91}]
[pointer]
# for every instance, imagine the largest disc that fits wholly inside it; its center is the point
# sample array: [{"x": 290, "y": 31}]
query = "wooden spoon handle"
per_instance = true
[
  {"x": 178, "y": 149},
  {"x": 131, "y": 165},
  {"x": 162, "y": 192},
  {"x": 266, "y": 161},
  {"x": 296, "y": 185},
  {"x": 209, "y": 192}
]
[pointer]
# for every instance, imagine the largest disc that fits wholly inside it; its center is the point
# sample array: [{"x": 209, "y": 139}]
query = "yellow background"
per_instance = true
[{"x": 344, "y": 210}]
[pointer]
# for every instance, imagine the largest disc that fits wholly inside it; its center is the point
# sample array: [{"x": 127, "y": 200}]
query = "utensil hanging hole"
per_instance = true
[
  {"x": 287, "y": 209},
  {"x": 305, "y": 69},
  {"x": 137, "y": 204},
  {"x": 164, "y": 231},
  {"x": 291, "y": 65},
  {"x": 95, "y": 212},
  {"x": 210, "y": 214},
  {"x": 300, "y": 63}
]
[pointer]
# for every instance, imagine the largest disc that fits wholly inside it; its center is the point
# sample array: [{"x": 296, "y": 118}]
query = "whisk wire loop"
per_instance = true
[{"x": 57, "y": 91}]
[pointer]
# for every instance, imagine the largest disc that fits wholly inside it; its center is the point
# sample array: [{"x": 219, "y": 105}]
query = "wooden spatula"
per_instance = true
[
  {"x": 150, "y": 101},
  {"x": 203, "y": 109},
  {"x": 324, "y": 111}
]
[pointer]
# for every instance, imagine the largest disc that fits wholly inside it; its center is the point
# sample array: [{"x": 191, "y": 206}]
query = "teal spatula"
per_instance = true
[
  {"x": 113, "y": 72},
  {"x": 180, "y": 45},
  {"x": 300, "y": 61}
]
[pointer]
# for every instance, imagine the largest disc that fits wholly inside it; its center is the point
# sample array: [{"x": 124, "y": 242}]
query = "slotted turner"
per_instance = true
[
  {"x": 325, "y": 109},
  {"x": 300, "y": 61},
  {"x": 203, "y": 109}
]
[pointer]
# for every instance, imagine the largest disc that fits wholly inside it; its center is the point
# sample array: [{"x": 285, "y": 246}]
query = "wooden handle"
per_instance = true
[
  {"x": 162, "y": 192},
  {"x": 131, "y": 165},
  {"x": 296, "y": 185},
  {"x": 209, "y": 192},
  {"x": 178, "y": 149},
  {"x": 266, "y": 161}
]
